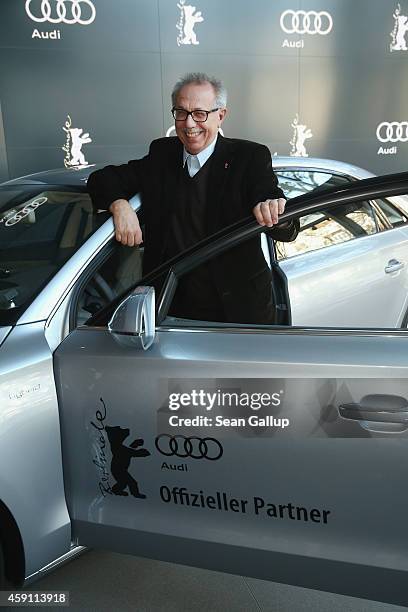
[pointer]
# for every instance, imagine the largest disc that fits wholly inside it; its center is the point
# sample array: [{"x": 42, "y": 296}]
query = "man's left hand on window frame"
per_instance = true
[{"x": 267, "y": 212}]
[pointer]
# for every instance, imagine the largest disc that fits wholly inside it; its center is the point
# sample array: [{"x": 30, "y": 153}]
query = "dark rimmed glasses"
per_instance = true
[{"x": 199, "y": 116}]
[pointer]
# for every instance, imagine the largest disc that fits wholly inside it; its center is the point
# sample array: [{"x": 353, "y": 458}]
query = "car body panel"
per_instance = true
[
  {"x": 103, "y": 384},
  {"x": 33, "y": 490}
]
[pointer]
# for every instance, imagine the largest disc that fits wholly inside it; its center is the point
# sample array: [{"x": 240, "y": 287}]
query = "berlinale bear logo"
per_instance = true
[
  {"x": 300, "y": 133},
  {"x": 188, "y": 18},
  {"x": 121, "y": 457},
  {"x": 75, "y": 139},
  {"x": 400, "y": 29}
]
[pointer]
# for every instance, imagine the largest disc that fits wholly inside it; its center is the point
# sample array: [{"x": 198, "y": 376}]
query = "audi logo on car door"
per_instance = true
[{"x": 189, "y": 447}]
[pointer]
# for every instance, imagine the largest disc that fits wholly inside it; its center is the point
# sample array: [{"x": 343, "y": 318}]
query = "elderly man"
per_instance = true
[{"x": 192, "y": 186}]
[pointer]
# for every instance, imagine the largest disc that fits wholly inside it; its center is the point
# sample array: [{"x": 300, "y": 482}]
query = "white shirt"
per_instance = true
[{"x": 195, "y": 162}]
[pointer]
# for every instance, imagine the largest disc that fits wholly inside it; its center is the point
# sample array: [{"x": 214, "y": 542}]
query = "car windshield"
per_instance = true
[
  {"x": 296, "y": 182},
  {"x": 40, "y": 228}
]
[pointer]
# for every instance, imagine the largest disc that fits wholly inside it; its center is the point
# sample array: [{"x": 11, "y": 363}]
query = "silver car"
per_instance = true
[{"x": 198, "y": 442}]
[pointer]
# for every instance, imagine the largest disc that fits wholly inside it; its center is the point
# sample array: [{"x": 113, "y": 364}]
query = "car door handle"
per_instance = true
[
  {"x": 393, "y": 266},
  {"x": 377, "y": 408}
]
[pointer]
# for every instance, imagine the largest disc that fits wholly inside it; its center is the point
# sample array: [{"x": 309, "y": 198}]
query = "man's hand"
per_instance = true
[
  {"x": 127, "y": 228},
  {"x": 266, "y": 213}
]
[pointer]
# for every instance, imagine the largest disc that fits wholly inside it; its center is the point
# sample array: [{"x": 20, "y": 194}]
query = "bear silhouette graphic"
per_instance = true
[
  {"x": 78, "y": 139},
  {"x": 121, "y": 457},
  {"x": 189, "y": 17},
  {"x": 402, "y": 25}
]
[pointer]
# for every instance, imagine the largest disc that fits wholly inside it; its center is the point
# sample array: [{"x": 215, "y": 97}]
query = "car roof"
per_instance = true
[
  {"x": 59, "y": 176},
  {"x": 78, "y": 177},
  {"x": 319, "y": 164}
]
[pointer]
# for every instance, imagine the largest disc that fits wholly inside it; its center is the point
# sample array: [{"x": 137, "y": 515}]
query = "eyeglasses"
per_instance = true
[{"x": 199, "y": 116}]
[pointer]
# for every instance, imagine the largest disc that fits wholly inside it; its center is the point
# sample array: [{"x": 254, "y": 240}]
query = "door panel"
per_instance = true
[
  {"x": 346, "y": 285},
  {"x": 322, "y": 493}
]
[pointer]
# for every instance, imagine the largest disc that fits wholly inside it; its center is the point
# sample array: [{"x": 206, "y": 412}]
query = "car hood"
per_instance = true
[{"x": 4, "y": 332}]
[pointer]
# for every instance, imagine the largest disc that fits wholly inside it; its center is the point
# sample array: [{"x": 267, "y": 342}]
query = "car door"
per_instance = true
[
  {"x": 348, "y": 248},
  {"x": 265, "y": 450},
  {"x": 395, "y": 214}
]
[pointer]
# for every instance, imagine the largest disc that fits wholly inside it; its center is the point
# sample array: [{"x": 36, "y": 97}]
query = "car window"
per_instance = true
[
  {"x": 362, "y": 286},
  {"x": 327, "y": 228},
  {"x": 394, "y": 216},
  {"x": 295, "y": 182},
  {"x": 239, "y": 286},
  {"x": 114, "y": 276},
  {"x": 401, "y": 202},
  {"x": 40, "y": 229}
]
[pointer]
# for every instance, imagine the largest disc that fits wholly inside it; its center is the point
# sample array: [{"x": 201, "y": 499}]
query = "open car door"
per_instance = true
[{"x": 272, "y": 451}]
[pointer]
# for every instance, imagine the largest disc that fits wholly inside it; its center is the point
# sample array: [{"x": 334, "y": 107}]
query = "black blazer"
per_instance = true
[{"x": 241, "y": 175}]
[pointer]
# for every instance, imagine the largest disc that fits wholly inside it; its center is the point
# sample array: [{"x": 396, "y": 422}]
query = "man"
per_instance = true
[{"x": 191, "y": 186}]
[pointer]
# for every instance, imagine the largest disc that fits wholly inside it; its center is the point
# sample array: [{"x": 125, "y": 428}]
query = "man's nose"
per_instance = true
[{"x": 190, "y": 121}]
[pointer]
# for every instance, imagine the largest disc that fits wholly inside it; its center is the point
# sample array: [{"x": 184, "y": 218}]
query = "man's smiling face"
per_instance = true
[{"x": 197, "y": 136}]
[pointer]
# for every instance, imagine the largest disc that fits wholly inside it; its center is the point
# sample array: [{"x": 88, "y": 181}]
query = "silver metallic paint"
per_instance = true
[
  {"x": 32, "y": 486},
  {"x": 4, "y": 332},
  {"x": 90, "y": 365},
  {"x": 34, "y": 448}
]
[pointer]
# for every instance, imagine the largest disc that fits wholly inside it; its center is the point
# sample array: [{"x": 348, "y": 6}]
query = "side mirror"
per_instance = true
[{"x": 133, "y": 322}]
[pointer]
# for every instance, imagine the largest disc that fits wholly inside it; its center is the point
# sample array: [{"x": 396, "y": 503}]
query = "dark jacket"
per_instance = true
[{"x": 241, "y": 175}]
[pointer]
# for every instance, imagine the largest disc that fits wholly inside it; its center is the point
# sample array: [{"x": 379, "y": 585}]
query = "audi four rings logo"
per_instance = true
[
  {"x": 193, "y": 447},
  {"x": 393, "y": 131},
  {"x": 66, "y": 11},
  {"x": 306, "y": 22}
]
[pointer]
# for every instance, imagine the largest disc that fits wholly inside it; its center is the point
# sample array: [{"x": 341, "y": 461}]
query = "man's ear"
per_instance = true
[{"x": 221, "y": 115}]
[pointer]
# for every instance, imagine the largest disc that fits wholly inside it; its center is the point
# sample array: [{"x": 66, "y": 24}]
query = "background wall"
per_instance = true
[{"x": 90, "y": 80}]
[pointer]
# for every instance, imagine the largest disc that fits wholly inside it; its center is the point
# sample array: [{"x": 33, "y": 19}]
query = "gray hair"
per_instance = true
[{"x": 199, "y": 78}]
